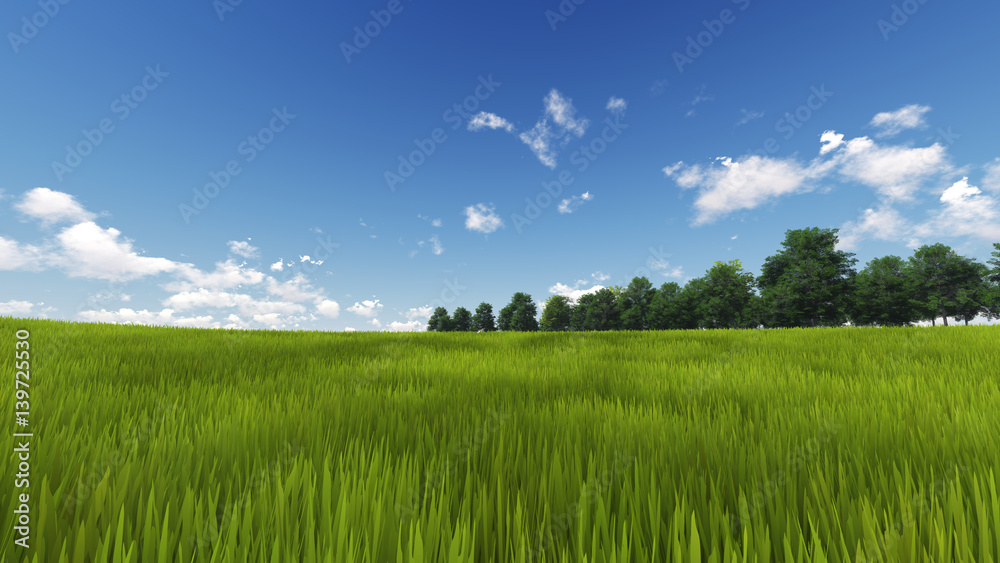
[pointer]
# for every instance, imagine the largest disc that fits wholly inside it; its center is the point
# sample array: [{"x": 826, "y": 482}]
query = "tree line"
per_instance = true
[{"x": 805, "y": 284}]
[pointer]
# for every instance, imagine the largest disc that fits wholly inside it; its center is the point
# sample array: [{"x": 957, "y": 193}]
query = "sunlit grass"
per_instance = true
[{"x": 167, "y": 444}]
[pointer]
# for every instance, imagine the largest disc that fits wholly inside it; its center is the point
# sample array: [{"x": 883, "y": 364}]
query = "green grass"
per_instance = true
[{"x": 167, "y": 444}]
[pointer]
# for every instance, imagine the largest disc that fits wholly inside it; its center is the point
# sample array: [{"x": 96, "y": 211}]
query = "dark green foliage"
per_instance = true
[
  {"x": 461, "y": 321},
  {"x": 578, "y": 314},
  {"x": 439, "y": 321},
  {"x": 727, "y": 296},
  {"x": 636, "y": 302},
  {"x": 808, "y": 283},
  {"x": 882, "y": 293},
  {"x": 603, "y": 311},
  {"x": 557, "y": 313},
  {"x": 519, "y": 314},
  {"x": 483, "y": 319},
  {"x": 945, "y": 283}
]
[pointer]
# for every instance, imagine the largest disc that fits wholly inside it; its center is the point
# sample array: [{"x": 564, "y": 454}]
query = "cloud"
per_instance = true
[
  {"x": 92, "y": 252},
  {"x": 244, "y": 249},
  {"x": 830, "y": 141},
  {"x": 991, "y": 182},
  {"x": 489, "y": 121},
  {"x": 418, "y": 313},
  {"x": 16, "y": 308},
  {"x": 277, "y": 266},
  {"x": 564, "y": 114},
  {"x": 658, "y": 87},
  {"x": 296, "y": 290},
  {"x": 616, "y": 106},
  {"x": 894, "y": 171},
  {"x": 411, "y": 326},
  {"x": 539, "y": 140},
  {"x": 227, "y": 275},
  {"x": 574, "y": 292},
  {"x": 749, "y": 116},
  {"x": 437, "y": 248},
  {"x": 146, "y": 317},
  {"x": 482, "y": 218},
  {"x": 893, "y": 122},
  {"x": 368, "y": 308},
  {"x": 965, "y": 211},
  {"x": 51, "y": 207},
  {"x": 350, "y": 329},
  {"x": 328, "y": 308},
  {"x": 884, "y": 223},
  {"x": 307, "y": 258},
  {"x": 664, "y": 269},
  {"x": 436, "y": 223},
  {"x": 600, "y": 276},
  {"x": 740, "y": 185},
  {"x": 573, "y": 203},
  {"x": 246, "y": 304},
  {"x": 14, "y": 256}
]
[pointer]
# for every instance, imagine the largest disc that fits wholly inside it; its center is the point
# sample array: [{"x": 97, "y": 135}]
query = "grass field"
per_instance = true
[{"x": 168, "y": 444}]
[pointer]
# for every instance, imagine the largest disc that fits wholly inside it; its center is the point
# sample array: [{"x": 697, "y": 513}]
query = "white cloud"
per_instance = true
[
  {"x": 277, "y": 266},
  {"x": 437, "y": 248},
  {"x": 328, "y": 308},
  {"x": 991, "y": 182},
  {"x": 573, "y": 203},
  {"x": 482, "y": 218},
  {"x": 368, "y": 308},
  {"x": 733, "y": 237},
  {"x": 965, "y": 211},
  {"x": 272, "y": 320},
  {"x": 616, "y": 106},
  {"x": 436, "y": 223},
  {"x": 246, "y": 304},
  {"x": 574, "y": 292},
  {"x": 564, "y": 114},
  {"x": 375, "y": 323},
  {"x": 50, "y": 207},
  {"x": 296, "y": 289},
  {"x": 664, "y": 269},
  {"x": 227, "y": 275},
  {"x": 350, "y": 329},
  {"x": 830, "y": 140},
  {"x": 740, "y": 185},
  {"x": 539, "y": 140},
  {"x": 600, "y": 276},
  {"x": 895, "y": 172},
  {"x": 749, "y": 116},
  {"x": 146, "y": 317},
  {"x": 489, "y": 121},
  {"x": 244, "y": 249},
  {"x": 411, "y": 326},
  {"x": 884, "y": 223},
  {"x": 307, "y": 258},
  {"x": 92, "y": 252},
  {"x": 14, "y": 256},
  {"x": 16, "y": 308},
  {"x": 418, "y": 313},
  {"x": 893, "y": 122}
]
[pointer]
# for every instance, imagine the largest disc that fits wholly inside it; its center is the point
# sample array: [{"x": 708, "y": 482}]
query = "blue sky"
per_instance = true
[{"x": 160, "y": 163}]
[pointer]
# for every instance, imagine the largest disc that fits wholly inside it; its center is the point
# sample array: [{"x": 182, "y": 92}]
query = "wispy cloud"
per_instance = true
[
  {"x": 894, "y": 122},
  {"x": 749, "y": 116},
  {"x": 489, "y": 121},
  {"x": 482, "y": 218},
  {"x": 574, "y": 202},
  {"x": 616, "y": 106}
]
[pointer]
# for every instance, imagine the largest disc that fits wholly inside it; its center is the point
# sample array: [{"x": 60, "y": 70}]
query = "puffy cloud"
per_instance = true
[
  {"x": 965, "y": 211},
  {"x": 573, "y": 203},
  {"x": 884, "y": 223},
  {"x": 146, "y": 317},
  {"x": 278, "y": 266},
  {"x": 616, "y": 106},
  {"x": 830, "y": 140},
  {"x": 895, "y": 172},
  {"x": 50, "y": 207},
  {"x": 296, "y": 289},
  {"x": 563, "y": 113},
  {"x": 482, "y": 218},
  {"x": 574, "y": 292},
  {"x": 893, "y": 122},
  {"x": 244, "y": 249},
  {"x": 600, "y": 276},
  {"x": 16, "y": 308},
  {"x": 14, "y": 256},
  {"x": 227, "y": 275},
  {"x": 368, "y": 308},
  {"x": 418, "y": 313},
  {"x": 328, "y": 308},
  {"x": 410, "y": 326},
  {"x": 437, "y": 248},
  {"x": 92, "y": 252},
  {"x": 489, "y": 121},
  {"x": 539, "y": 140}
]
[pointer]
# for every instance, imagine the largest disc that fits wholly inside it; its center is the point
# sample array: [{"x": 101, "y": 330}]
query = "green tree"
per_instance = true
[
  {"x": 557, "y": 314},
  {"x": 882, "y": 293},
  {"x": 578, "y": 313},
  {"x": 461, "y": 321},
  {"x": 995, "y": 262},
  {"x": 483, "y": 319},
  {"x": 663, "y": 308},
  {"x": 945, "y": 282},
  {"x": 603, "y": 311},
  {"x": 636, "y": 301},
  {"x": 809, "y": 282},
  {"x": 976, "y": 297},
  {"x": 519, "y": 314},
  {"x": 727, "y": 296},
  {"x": 440, "y": 321}
]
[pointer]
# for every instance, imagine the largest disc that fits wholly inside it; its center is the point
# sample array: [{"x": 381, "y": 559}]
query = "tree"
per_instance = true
[
  {"x": 995, "y": 262},
  {"x": 557, "y": 313},
  {"x": 727, "y": 295},
  {"x": 578, "y": 313},
  {"x": 945, "y": 283},
  {"x": 662, "y": 313},
  {"x": 975, "y": 298},
  {"x": 882, "y": 294},
  {"x": 519, "y": 314},
  {"x": 809, "y": 282},
  {"x": 483, "y": 319},
  {"x": 603, "y": 311},
  {"x": 636, "y": 301},
  {"x": 461, "y": 321},
  {"x": 439, "y": 321}
]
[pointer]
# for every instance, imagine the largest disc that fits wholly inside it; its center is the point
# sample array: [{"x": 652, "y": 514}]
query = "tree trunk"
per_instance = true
[{"x": 943, "y": 317}]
